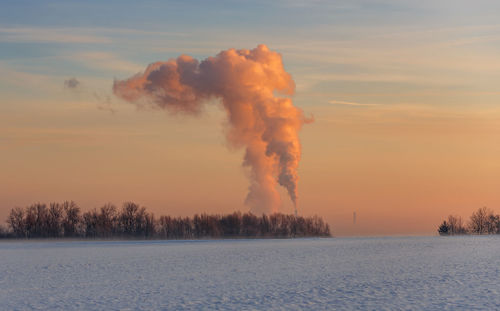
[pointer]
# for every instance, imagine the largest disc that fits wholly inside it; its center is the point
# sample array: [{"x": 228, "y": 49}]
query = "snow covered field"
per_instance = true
[{"x": 404, "y": 273}]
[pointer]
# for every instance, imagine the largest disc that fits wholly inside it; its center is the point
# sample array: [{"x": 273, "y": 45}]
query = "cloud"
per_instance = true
[
  {"x": 345, "y": 103},
  {"x": 104, "y": 102},
  {"x": 53, "y": 35},
  {"x": 71, "y": 83},
  {"x": 14, "y": 78},
  {"x": 108, "y": 61}
]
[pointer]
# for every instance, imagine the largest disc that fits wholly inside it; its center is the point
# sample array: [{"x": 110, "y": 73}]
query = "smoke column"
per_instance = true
[{"x": 247, "y": 83}]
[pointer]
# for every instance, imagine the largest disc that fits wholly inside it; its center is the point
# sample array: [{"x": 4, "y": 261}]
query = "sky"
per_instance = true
[{"x": 404, "y": 94}]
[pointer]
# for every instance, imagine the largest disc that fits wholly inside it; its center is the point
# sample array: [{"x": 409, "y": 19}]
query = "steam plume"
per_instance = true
[{"x": 246, "y": 82}]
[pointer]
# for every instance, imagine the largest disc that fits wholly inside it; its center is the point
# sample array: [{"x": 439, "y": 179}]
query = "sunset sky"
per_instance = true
[{"x": 405, "y": 97}]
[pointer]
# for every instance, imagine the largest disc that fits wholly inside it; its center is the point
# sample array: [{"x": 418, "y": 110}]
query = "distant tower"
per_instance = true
[{"x": 354, "y": 218}]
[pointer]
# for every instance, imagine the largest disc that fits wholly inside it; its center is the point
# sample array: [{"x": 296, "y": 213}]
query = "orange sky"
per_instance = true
[
  {"x": 404, "y": 95},
  {"x": 402, "y": 171}
]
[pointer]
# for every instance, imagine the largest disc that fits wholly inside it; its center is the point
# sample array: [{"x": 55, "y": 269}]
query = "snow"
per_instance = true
[{"x": 405, "y": 273}]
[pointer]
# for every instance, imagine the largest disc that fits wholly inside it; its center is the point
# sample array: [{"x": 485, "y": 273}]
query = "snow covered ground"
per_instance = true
[{"x": 404, "y": 273}]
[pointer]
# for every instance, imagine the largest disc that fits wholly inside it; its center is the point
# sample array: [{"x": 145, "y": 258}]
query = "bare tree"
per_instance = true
[
  {"x": 456, "y": 226},
  {"x": 128, "y": 218},
  {"x": 230, "y": 224},
  {"x": 71, "y": 219},
  {"x": 479, "y": 221},
  {"x": 249, "y": 225},
  {"x": 90, "y": 222},
  {"x": 54, "y": 220},
  {"x": 493, "y": 224},
  {"x": 64, "y": 220},
  {"x": 17, "y": 223},
  {"x": 107, "y": 221},
  {"x": 36, "y": 221}
]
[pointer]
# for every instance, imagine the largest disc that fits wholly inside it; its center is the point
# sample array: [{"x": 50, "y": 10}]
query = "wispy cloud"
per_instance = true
[
  {"x": 330, "y": 5},
  {"x": 346, "y": 103},
  {"x": 109, "y": 61},
  {"x": 53, "y": 35},
  {"x": 13, "y": 77},
  {"x": 74, "y": 35},
  {"x": 473, "y": 40},
  {"x": 367, "y": 77}
]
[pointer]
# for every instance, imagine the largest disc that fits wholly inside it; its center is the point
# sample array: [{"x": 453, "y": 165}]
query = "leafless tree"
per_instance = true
[
  {"x": 64, "y": 220},
  {"x": 107, "y": 221},
  {"x": 71, "y": 219},
  {"x": 54, "y": 220},
  {"x": 17, "y": 223},
  {"x": 479, "y": 221},
  {"x": 455, "y": 225}
]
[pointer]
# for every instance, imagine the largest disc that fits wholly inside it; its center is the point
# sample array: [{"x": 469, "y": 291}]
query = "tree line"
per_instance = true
[
  {"x": 482, "y": 221},
  {"x": 66, "y": 220}
]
